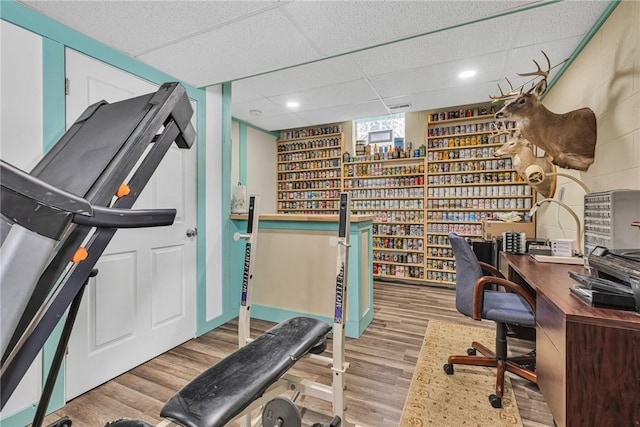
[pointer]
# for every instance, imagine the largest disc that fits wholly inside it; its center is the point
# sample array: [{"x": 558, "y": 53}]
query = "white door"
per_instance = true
[{"x": 142, "y": 303}]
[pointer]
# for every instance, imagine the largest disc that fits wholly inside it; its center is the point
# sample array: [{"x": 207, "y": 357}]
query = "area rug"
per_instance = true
[{"x": 461, "y": 399}]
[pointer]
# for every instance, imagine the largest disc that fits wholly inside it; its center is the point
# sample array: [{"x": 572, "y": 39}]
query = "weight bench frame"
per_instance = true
[
  {"x": 185, "y": 409},
  {"x": 335, "y": 392}
]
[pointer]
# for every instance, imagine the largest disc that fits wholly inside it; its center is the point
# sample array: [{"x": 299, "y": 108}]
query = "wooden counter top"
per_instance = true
[
  {"x": 553, "y": 281},
  {"x": 303, "y": 218}
]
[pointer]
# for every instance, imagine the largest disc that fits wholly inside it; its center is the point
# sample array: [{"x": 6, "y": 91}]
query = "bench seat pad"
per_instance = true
[{"x": 221, "y": 392}]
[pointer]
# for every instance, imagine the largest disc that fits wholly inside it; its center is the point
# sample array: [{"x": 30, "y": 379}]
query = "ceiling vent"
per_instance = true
[{"x": 399, "y": 106}]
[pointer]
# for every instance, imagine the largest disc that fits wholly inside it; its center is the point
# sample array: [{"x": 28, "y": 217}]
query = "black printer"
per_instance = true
[{"x": 615, "y": 279}]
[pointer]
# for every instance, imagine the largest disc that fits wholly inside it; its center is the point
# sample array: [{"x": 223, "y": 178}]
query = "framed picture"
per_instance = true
[{"x": 380, "y": 136}]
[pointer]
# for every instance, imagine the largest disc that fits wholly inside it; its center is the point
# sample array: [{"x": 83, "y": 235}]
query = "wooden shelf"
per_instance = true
[
  {"x": 309, "y": 159},
  {"x": 319, "y": 159},
  {"x": 330, "y": 178},
  {"x": 464, "y": 147},
  {"x": 394, "y": 173},
  {"x": 445, "y": 184},
  {"x": 391, "y": 161},
  {"x": 308, "y": 137},
  {"x": 471, "y": 184},
  {"x": 434, "y": 123},
  {"x": 460, "y": 134}
]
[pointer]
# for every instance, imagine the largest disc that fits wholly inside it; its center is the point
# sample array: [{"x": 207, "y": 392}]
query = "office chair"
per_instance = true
[{"x": 477, "y": 297}]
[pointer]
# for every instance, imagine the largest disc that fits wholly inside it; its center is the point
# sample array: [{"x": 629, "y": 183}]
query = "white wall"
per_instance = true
[
  {"x": 606, "y": 78},
  {"x": 213, "y": 202},
  {"x": 261, "y": 168},
  {"x": 21, "y": 144}
]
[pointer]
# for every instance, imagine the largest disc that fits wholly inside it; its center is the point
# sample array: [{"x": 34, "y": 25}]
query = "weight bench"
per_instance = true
[
  {"x": 243, "y": 380},
  {"x": 228, "y": 388}
]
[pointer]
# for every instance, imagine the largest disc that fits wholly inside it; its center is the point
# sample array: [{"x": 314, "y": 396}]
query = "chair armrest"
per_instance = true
[
  {"x": 485, "y": 281},
  {"x": 491, "y": 270}
]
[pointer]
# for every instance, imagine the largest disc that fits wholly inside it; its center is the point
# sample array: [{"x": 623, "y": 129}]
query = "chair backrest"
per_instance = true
[{"x": 468, "y": 270}]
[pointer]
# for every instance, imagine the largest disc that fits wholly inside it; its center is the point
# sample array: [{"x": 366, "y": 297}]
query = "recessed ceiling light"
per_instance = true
[
  {"x": 467, "y": 74},
  {"x": 293, "y": 104},
  {"x": 255, "y": 113}
]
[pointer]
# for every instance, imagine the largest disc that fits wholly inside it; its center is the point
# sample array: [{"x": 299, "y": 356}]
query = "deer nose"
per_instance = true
[{"x": 498, "y": 115}]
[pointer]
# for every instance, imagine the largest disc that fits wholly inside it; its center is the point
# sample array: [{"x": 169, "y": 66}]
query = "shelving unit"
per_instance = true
[
  {"x": 392, "y": 190},
  {"x": 415, "y": 201},
  {"x": 309, "y": 171},
  {"x": 465, "y": 185}
]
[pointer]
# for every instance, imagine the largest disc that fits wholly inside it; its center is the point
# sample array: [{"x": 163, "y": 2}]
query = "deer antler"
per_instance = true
[
  {"x": 511, "y": 94},
  {"x": 514, "y": 93},
  {"x": 501, "y": 127},
  {"x": 539, "y": 72}
]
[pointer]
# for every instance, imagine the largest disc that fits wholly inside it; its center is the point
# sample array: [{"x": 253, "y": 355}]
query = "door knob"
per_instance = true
[{"x": 191, "y": 232}]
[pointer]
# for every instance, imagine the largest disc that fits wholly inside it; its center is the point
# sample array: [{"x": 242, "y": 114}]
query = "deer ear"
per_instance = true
[{"x": 540, "y": 87}]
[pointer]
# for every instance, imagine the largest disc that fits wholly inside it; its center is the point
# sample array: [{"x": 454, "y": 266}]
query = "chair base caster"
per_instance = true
[
  {"x": 495, "y": 401},
  {"x": 448, "y": 368}
]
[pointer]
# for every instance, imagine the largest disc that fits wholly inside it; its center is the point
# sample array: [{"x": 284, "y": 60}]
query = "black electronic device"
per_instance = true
[
  {"x": 603, "y": 299},
  {"x": 615, "y": 282},
  {"x": 630, "y": 254},
  {"x": 601, "y": 285}
]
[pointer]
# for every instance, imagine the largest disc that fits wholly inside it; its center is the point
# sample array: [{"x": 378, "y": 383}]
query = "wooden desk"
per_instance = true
[{"x": 588, "y": 359}]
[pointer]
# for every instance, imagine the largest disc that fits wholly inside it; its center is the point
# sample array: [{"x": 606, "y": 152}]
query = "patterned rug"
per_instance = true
[{"x": 461, "y": 399}]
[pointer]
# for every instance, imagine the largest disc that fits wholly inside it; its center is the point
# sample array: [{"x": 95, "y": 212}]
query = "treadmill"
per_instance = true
[{"x": 58, "y": 219}]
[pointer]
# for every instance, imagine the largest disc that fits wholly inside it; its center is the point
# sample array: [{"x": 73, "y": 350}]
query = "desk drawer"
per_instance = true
[
  {"x": 550, "y": 369},
  {"x": 551, "y": 321}
]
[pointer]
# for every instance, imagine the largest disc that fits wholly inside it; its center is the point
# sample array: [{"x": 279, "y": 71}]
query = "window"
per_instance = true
[{"x": 383, "y": 131}]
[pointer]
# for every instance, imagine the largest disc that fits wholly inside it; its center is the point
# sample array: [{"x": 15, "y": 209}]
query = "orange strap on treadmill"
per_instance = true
[
  {"x": 80, "y": 255},
  {"x": 123, "y": 190}
]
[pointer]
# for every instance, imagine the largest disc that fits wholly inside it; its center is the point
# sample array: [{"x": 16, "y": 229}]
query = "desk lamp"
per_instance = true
[{"x": 560, "y": 259}]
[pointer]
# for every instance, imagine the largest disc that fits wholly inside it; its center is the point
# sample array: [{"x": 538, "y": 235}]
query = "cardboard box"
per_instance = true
[{"x": 494, "y": 229}]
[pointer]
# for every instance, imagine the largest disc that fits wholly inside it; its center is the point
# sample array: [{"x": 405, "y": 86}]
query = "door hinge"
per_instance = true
[{"x": 66, "y": 86}]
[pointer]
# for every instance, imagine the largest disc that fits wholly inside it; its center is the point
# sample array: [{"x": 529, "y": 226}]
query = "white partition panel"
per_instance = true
[{"x": 21, "y": 144}]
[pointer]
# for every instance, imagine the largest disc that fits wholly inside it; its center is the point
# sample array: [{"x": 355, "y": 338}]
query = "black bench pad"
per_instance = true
[
  {"x": 221, "y": 392},
  {"x": 123, "y": 422}
]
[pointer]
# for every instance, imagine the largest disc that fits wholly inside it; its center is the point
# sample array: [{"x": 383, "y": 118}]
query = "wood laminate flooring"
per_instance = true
[{"x": 382, "y": 363}]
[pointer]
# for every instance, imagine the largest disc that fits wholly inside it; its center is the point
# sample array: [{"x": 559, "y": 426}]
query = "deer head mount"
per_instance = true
[
  {"x": 518, "y": 149},
  {"x": 569, "y": 139}
]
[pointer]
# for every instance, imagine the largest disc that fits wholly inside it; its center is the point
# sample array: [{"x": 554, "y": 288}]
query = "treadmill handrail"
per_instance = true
[
  {"x": 20, "y": 182},
  {"x": 126, "y": 218}
]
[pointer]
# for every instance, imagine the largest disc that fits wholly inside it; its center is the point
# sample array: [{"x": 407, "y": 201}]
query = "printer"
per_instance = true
[{"x": 615, "y": 279}]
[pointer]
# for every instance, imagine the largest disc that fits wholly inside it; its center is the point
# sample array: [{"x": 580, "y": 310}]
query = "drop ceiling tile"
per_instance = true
[
  {"x": 276, "y": 123},
  {"x": 521, "y": 59},
  {"x": 455, "y": 97},
  {"x": 305, "y": 77},
  {"x": 343, "y": 113},
  {"x": 138, "y": 26},
  {"x": 251, "y": 46},
  {"x": 343, "y": 26},
  {"x": 265, "y": 107},
  {"x": 440, "y": 76},
  {"x": 559, "y": 20},
  {"x": 347, "y": 93},
  {"x": 241, "y": 92},
  {"x": 472, "y": 40}
]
